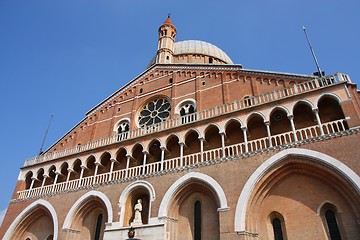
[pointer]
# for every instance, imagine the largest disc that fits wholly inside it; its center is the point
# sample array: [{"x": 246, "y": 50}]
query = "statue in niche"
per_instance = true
[{"x": 138, "y": 210}]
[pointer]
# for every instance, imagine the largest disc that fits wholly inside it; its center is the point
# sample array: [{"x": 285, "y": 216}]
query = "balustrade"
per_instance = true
[
  {"x": 197, "y": 116},
  {"x": 189, "y": 160}
]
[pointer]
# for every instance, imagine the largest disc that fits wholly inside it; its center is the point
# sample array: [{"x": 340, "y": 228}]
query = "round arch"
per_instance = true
[
  {"x": 331, "y": 95},
  {"x": 305, "y": 101},
  {"x": 27, "y": 211},
  {"x": 189, "y": 131},
  {"x": 176, "y": 186},
  {"x": 248, "y": 117},
  {"x": 232, "y": 120},
  {"x": 126, "y": 192},
  {"x": 83, "y": 199},
  {"x": 268, "y": 114},
  {"x": 241, "y": 206},
  {"x": 211, "y": 125}
]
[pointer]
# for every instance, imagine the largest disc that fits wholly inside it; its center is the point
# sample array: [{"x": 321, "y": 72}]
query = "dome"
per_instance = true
[{"x": 202, "y": 48}]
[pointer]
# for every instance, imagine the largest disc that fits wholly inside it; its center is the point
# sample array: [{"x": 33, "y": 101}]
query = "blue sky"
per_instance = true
[{"x": 64, "y": 57}]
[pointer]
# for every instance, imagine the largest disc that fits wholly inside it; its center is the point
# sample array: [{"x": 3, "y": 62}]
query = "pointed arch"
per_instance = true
[
  {"x": 82, "y": 200},
  {"x": 28, "y": 210},
  {"x": 176, "y": 186},
  {"x": 256, "y": 177}
]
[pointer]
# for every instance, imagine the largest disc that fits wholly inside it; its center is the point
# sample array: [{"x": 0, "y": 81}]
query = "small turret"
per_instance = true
[{"x": 166, "y": 43}]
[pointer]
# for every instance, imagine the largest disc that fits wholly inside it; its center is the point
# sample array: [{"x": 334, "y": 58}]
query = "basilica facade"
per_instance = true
[{"x": 197, "y": 147}]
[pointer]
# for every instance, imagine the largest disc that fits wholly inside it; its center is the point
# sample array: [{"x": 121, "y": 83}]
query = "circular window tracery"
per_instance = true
[{"x": 155, "y": 111}]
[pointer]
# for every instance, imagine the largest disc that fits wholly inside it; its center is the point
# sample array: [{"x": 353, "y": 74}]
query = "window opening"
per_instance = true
[
  {"x": 98, "y": 227},
  {"x": 210, "y": 60},
  {"x": 276, "y": 223},
  {"x": 197, "y": 220},
  {"x": 332, "y": 225}
]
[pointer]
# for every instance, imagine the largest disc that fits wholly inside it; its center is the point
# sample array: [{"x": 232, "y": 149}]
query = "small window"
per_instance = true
[
  {"x": 119, "y": 109},
  {"x": 211, "y": 60},
  {"x": 332, "y": 225},
  {"x": 203, "y": 83},
  {"x": 167, "y": 57},
  {"x": 170, "y": 80},
  {"x": 276, "y": 223},
  {"x": 98, "y": 227},
  {"x": 141, "y": 90},
  {"x": 197, "y": 220}
]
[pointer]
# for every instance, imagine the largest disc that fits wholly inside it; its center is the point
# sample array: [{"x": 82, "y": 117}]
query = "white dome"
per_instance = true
[{"x": 200, "y": 47}]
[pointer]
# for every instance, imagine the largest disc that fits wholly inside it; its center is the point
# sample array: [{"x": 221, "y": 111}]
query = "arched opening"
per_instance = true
[
  {"x": 279, "y": 123},
  {"x": 194, "y": 206},
  {"x": 37, "y": 224},
  {"x": 40, "y": 178},
  {"x": 234, "y": 133},
  {"x": 51, "y": 176},
  {"x": 90, "y": 167},
  {"x": 63, "y": 172},
  {"x": 192, "y": 142},
  {"x": 331, "y": 220},
  {"x": 138, "y": 156},
  {"x": 173, "y": 147},
  {"x": 272, "y": 193},
  {"x": 89, "y": 219},
  {"x": 154, "y": 152},
  {"x": 105, "y": 163},
  {"x": 256, "y": 127},
  {"x": 277, "y": 226},
  {"x": 121, "y": 159},
  {"x": 212, "y": 138},
  {"x": 28, "y": 180},
  {"x": 303, "y": 116},
  {"x": 329, "y": 109},
  {"x": 76, "y": 170},
  {"x": 142, "y": 194}
]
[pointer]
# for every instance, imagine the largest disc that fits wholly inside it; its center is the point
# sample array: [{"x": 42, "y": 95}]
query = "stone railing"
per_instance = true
[
  {"x": 178, "y": 163},
  {"x": 312, "y": 85}
]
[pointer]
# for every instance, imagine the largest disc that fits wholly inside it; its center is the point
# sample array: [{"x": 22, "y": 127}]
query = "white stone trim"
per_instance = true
[
  {"x": 342, "y": 169},
  {"x": 176, "y": 186},
  {"x": 126, "y": 192},
  {"x": 328, "y": 94},
  {"x": 27, "y": 211},
  {"x": 84, "y": 198}
]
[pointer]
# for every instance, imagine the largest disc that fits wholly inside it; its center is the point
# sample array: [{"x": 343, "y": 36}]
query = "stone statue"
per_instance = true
[{"x": 138, "y": 209}]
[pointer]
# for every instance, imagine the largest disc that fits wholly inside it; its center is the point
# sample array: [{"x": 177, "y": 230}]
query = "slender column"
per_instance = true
[
  {"x": 97, "y": 164},
  {"x": 31, "y": 185},
  {"x": 267, "y": 124},
  {"x": 144, "y": 161},
  {"x": 128, "y": 157},
  {"x": 181, "y": 153},
  {"x": 112, "y": 160},
  {"x": 291, "y": 119},
  {"x": 222, "y": 134},
  {"x": 68, "y": 174},
  {"x": 55, "y": 180},
  {"x": 83, "y": 167},
  {"x": 33, "y": 179},
  {"x": 243, "y": 128},
  {"x": 162, "y": 157},
  {"x": 316, "y": 111},
  {"x": 201, "y": 148},
  {"x": 44, "y": 180}
]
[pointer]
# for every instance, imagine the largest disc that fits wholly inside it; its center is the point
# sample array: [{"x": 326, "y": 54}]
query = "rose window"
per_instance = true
[{"x": 154, "y": 112}]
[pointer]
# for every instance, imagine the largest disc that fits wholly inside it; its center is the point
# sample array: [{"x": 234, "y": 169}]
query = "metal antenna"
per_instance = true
[
  {"x": 47, "y": 129},
  {"x": 313, "y": 54}
]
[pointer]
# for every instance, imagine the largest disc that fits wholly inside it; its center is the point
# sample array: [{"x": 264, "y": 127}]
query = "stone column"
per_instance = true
[
  {"x": 181, "y": 153},
  {"x": 44, "y": 179},
  {"x": 68, "y": 174},
  {"x": 112, "y": 160},
  {"x": 162, "y": 157},
  {"x": 201, "y": 148},
  {"x": 55, "y": 180},
  {"x": 33, "y": 179},
  {"x": 144, "y": 161},
  {"x": 267, "y": 124},
  {"x": 291, "y": 119},
  {"x": 243, "y": 128},
  {"x": 316, "y": 111},
  {"x": 83, "y": 167},
  {"x": 97, "y": 164},
  {"x": 222, "y": 134},
  {"x": 128, "y": 158}
]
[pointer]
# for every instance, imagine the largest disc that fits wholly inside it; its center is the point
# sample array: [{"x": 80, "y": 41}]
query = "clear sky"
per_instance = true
[{"x": 63, "y": 57}]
